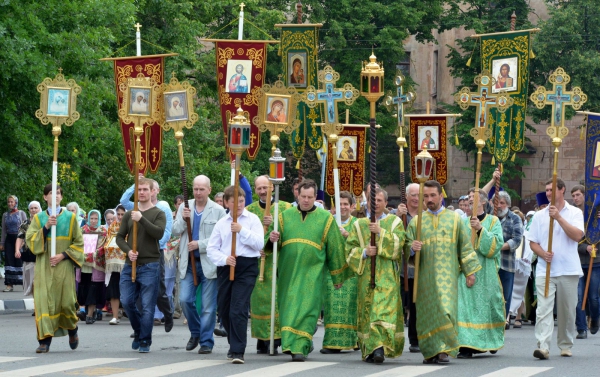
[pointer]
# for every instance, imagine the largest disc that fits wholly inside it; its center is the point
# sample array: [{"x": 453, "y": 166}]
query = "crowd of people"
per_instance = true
[{"x": 476, "y": 272}]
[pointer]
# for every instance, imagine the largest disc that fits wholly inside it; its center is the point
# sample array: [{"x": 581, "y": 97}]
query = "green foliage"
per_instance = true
[{"x": 483, "y": 17}]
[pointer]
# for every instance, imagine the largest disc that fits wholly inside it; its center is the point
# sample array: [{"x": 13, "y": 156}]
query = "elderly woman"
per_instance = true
[
  {"x": 11, "y": 221},
  {"x": 24, "y": 253},
  {"x": 91, "y": 292},
  {"x": 73, "y": 207}
]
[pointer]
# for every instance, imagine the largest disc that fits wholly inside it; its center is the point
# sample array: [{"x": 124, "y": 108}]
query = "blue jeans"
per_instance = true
[
  {"x": 593, "y": 300},
  {"x": 507, "y": 279},
  {"x": 200, "y": 326},
  {"x": 145, "y": 288}
]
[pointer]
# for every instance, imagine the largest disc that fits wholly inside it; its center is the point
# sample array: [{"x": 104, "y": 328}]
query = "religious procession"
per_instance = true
[{"x": 424, "y": 237}]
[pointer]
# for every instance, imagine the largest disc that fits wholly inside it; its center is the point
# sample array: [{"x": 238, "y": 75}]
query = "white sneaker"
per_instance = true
[{"x": 114, "y": 321}]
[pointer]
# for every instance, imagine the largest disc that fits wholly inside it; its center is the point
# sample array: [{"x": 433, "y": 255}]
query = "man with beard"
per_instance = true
[
  {"x": 512, "y": 231},
  {"x": 446, "y": 251}
]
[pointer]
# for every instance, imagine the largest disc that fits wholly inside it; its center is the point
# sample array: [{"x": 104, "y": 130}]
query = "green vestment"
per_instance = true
[
  {"x": 481, "y": 316},
  {"x": 341, "y": 310},
  {"x": 380, "y": 313},
  {"x": 446, "y": 251},
  {"x": 54, "y": 294},
  {"x": 260, "y": 301},
  {"x": 308, "y": 246}
]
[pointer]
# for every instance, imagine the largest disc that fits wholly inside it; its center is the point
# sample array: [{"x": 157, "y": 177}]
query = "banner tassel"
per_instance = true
[
  {"x": 531, "y": 54},
  {"x": 468, "y": 62},
  {"x": 444, "y": 193},
  {"x": 493, "y": 160},
  {"x": 582, "y": 133},
  {"x": 298, "y": 164},
  {"x": 513, "y": 157},
  {"x": 456, "y": 139}
]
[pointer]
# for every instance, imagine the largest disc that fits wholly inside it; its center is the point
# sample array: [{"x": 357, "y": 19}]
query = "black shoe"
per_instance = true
[
  {"x": 378, "y": 355},
  {"x": 168, "y": 323},
  {"x": 205, "y": 350},
  {"x": 465, "y": 355},
  {"x": 98, "y": 315},
  {"x": 135, "y": 345},
  {"x": 369, "y": 359},
  {"x": 581, "y": 334},
  {"x": 192, "y": 343},
  {"x": 298, "y": 357},
  {"x": 494, "y": 352},
  {"x": 328, "y": 351},
  {"x": 43, "y": 348},
  {"x": 237, "y": 358},
  {"x": 74, "y": 341},
  {"x": 414, "y": 349},
  {"x": 81, "y": 315},
  {"x": 594, "y": 327},
  {"x": 220, "y": 332},
  {"x": 262, "y": 351},
  {"x": 132, "y": 335},
  {"x": 229, "y": 355},
  {"x": 89, "y": 320}
]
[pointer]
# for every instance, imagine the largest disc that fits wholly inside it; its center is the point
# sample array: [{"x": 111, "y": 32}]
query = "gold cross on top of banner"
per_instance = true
[
  {"x": 137, "y": 26},
  {"x": 484, "y": 100},
  {"x": 558, "y": 98},
  {"x": 330, "y": 97}
]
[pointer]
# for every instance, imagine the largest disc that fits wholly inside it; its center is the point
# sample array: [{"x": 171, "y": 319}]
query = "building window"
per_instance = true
[
  {"x": 434, "y": 74},
  {"x": 404, "y": 65}
]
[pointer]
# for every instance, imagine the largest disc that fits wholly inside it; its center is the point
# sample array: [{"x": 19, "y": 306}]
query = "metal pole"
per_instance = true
[{"x": 274, "y": 277}]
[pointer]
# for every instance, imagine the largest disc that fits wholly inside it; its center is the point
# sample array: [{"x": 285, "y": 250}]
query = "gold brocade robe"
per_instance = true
[
  {"x": 446, "y": 251},
  {"x": 380, "y": 313}
]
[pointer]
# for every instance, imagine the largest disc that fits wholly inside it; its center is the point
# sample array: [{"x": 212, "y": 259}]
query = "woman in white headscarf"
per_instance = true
[
  {"x": 22, "y": 250},
  {"x": 176, "y": 109}
]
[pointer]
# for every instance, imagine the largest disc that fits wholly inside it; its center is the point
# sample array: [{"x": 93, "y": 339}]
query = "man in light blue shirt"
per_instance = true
[{"x": 165, "y": 296}]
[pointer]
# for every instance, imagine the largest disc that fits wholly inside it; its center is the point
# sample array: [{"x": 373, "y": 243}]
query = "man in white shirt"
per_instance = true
[
  {"x": 565, "y": 270},
  {"x": 233, "y": 296}
]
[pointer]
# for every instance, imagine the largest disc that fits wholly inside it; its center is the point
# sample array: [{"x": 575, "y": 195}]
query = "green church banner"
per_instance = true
[
  {"x": 299, "y": 54},
  {"x": 506, "y": 56}
]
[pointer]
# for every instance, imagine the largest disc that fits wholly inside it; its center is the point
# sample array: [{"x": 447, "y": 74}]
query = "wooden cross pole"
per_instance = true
[
  {"x": 330, "y": 97},
  {"x": 558, "y": 99},
  {"x": 397, "y": 103},
  {"x": 483, "y": 100}
]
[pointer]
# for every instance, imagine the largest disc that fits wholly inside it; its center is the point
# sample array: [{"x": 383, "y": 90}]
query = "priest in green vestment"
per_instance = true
[
  {"x": 310, "y": 243},
  {"x": 481, "y": 308},
  {"x": 340, "y": 309},
  {"x": 260, "y": 301},
  {"x": 446, "y": 252},
  {"x": 380, "y": 318},
  {"x": 54, "y": 296}
]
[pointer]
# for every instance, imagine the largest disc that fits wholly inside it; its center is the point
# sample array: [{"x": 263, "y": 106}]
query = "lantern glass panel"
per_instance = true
[
  {"x": 272, "y": 169},
  {"x": 428, "y": 167},
  {"x": 419, "y": 167},
  {"x": 364, "y": 84},
  {"x": 374, "y": 85},
  {"x": 280, "y": 167}
]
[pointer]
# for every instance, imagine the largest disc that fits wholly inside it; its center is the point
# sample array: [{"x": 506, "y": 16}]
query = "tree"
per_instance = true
[{"x": 483, "y": 17}]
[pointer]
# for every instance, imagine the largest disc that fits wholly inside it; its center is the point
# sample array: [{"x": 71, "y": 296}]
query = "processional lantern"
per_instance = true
[
  {"x": 424, "y": 165},
  {"x": 371, "y": 83},
  {"x": 239, "y": 132},
  {"x": 276, "y": 168}
]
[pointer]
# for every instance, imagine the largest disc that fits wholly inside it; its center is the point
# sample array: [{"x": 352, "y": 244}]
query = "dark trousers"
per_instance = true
[
  {"x": 233, "y": 298},
  {"x": 507, "y": 279},
  {"x": 407, "y": 298},
  {"x": 48, "y": 340},
  {"x": 162, "y": 302}
]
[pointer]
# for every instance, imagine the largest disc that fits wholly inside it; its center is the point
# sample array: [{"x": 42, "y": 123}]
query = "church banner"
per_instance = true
[
  {"x": 240, "y": 74},
  {"x": 351, "y": 150},
  {"x": 151, "y": 142},
  {"x": 429, "y": 132},
  {"x": 506, "y": 56},
  {"x": 299, "y": 55},
  {"x": 592, "y": 180}
]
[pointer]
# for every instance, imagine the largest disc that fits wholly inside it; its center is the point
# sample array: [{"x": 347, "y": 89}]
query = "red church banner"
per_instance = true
[
  {"x": 351, "y": 149},
  {"x": 151, "y": 146},
  {"x": 240, "y": 75}
]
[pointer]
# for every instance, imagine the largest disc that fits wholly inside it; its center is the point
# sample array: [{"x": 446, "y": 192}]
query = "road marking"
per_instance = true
[
  {"x": 1, "y": 304},
  {"x": 517, "y": 371},
  {"x": 283, "y": 369},
  {"x": 28, "y": 303},
  {"x": 7, "y": 359},
  {"x": 165, "y": 370},
  {"x": 407, "y": 371},
  {"x": 60, "y": 367}
]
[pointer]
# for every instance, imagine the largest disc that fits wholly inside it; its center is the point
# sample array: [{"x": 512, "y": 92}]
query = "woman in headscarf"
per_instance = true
[
  {"x": 91, "y": 291},
  {"x": 73, "y": 207},
  {"x": 11, "y": 221},
  {"x": 23, "y": 252},
  {"x": 115, "y": 260}
]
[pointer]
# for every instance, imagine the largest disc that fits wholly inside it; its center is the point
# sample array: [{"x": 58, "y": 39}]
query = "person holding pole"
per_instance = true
[
  {"x": 311, "y": 243},
  {"x": 233, "y": 296},
  {"x": 380, "y": 313},
  {"x": 446, "y": 251},
  {"x": 151, "y": 222},
  {"x": 260, "y": 301},
  {"x": 565, "y": 270},
  {"x": 203, "y": 214},
  {"x": 54, "y": 295}
]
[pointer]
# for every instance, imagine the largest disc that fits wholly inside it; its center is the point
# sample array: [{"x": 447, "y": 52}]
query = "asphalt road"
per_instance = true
[{"x": 106, "y": 350}]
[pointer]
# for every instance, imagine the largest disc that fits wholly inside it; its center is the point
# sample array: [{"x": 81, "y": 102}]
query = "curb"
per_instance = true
[{"x": 22, "y": 304}]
